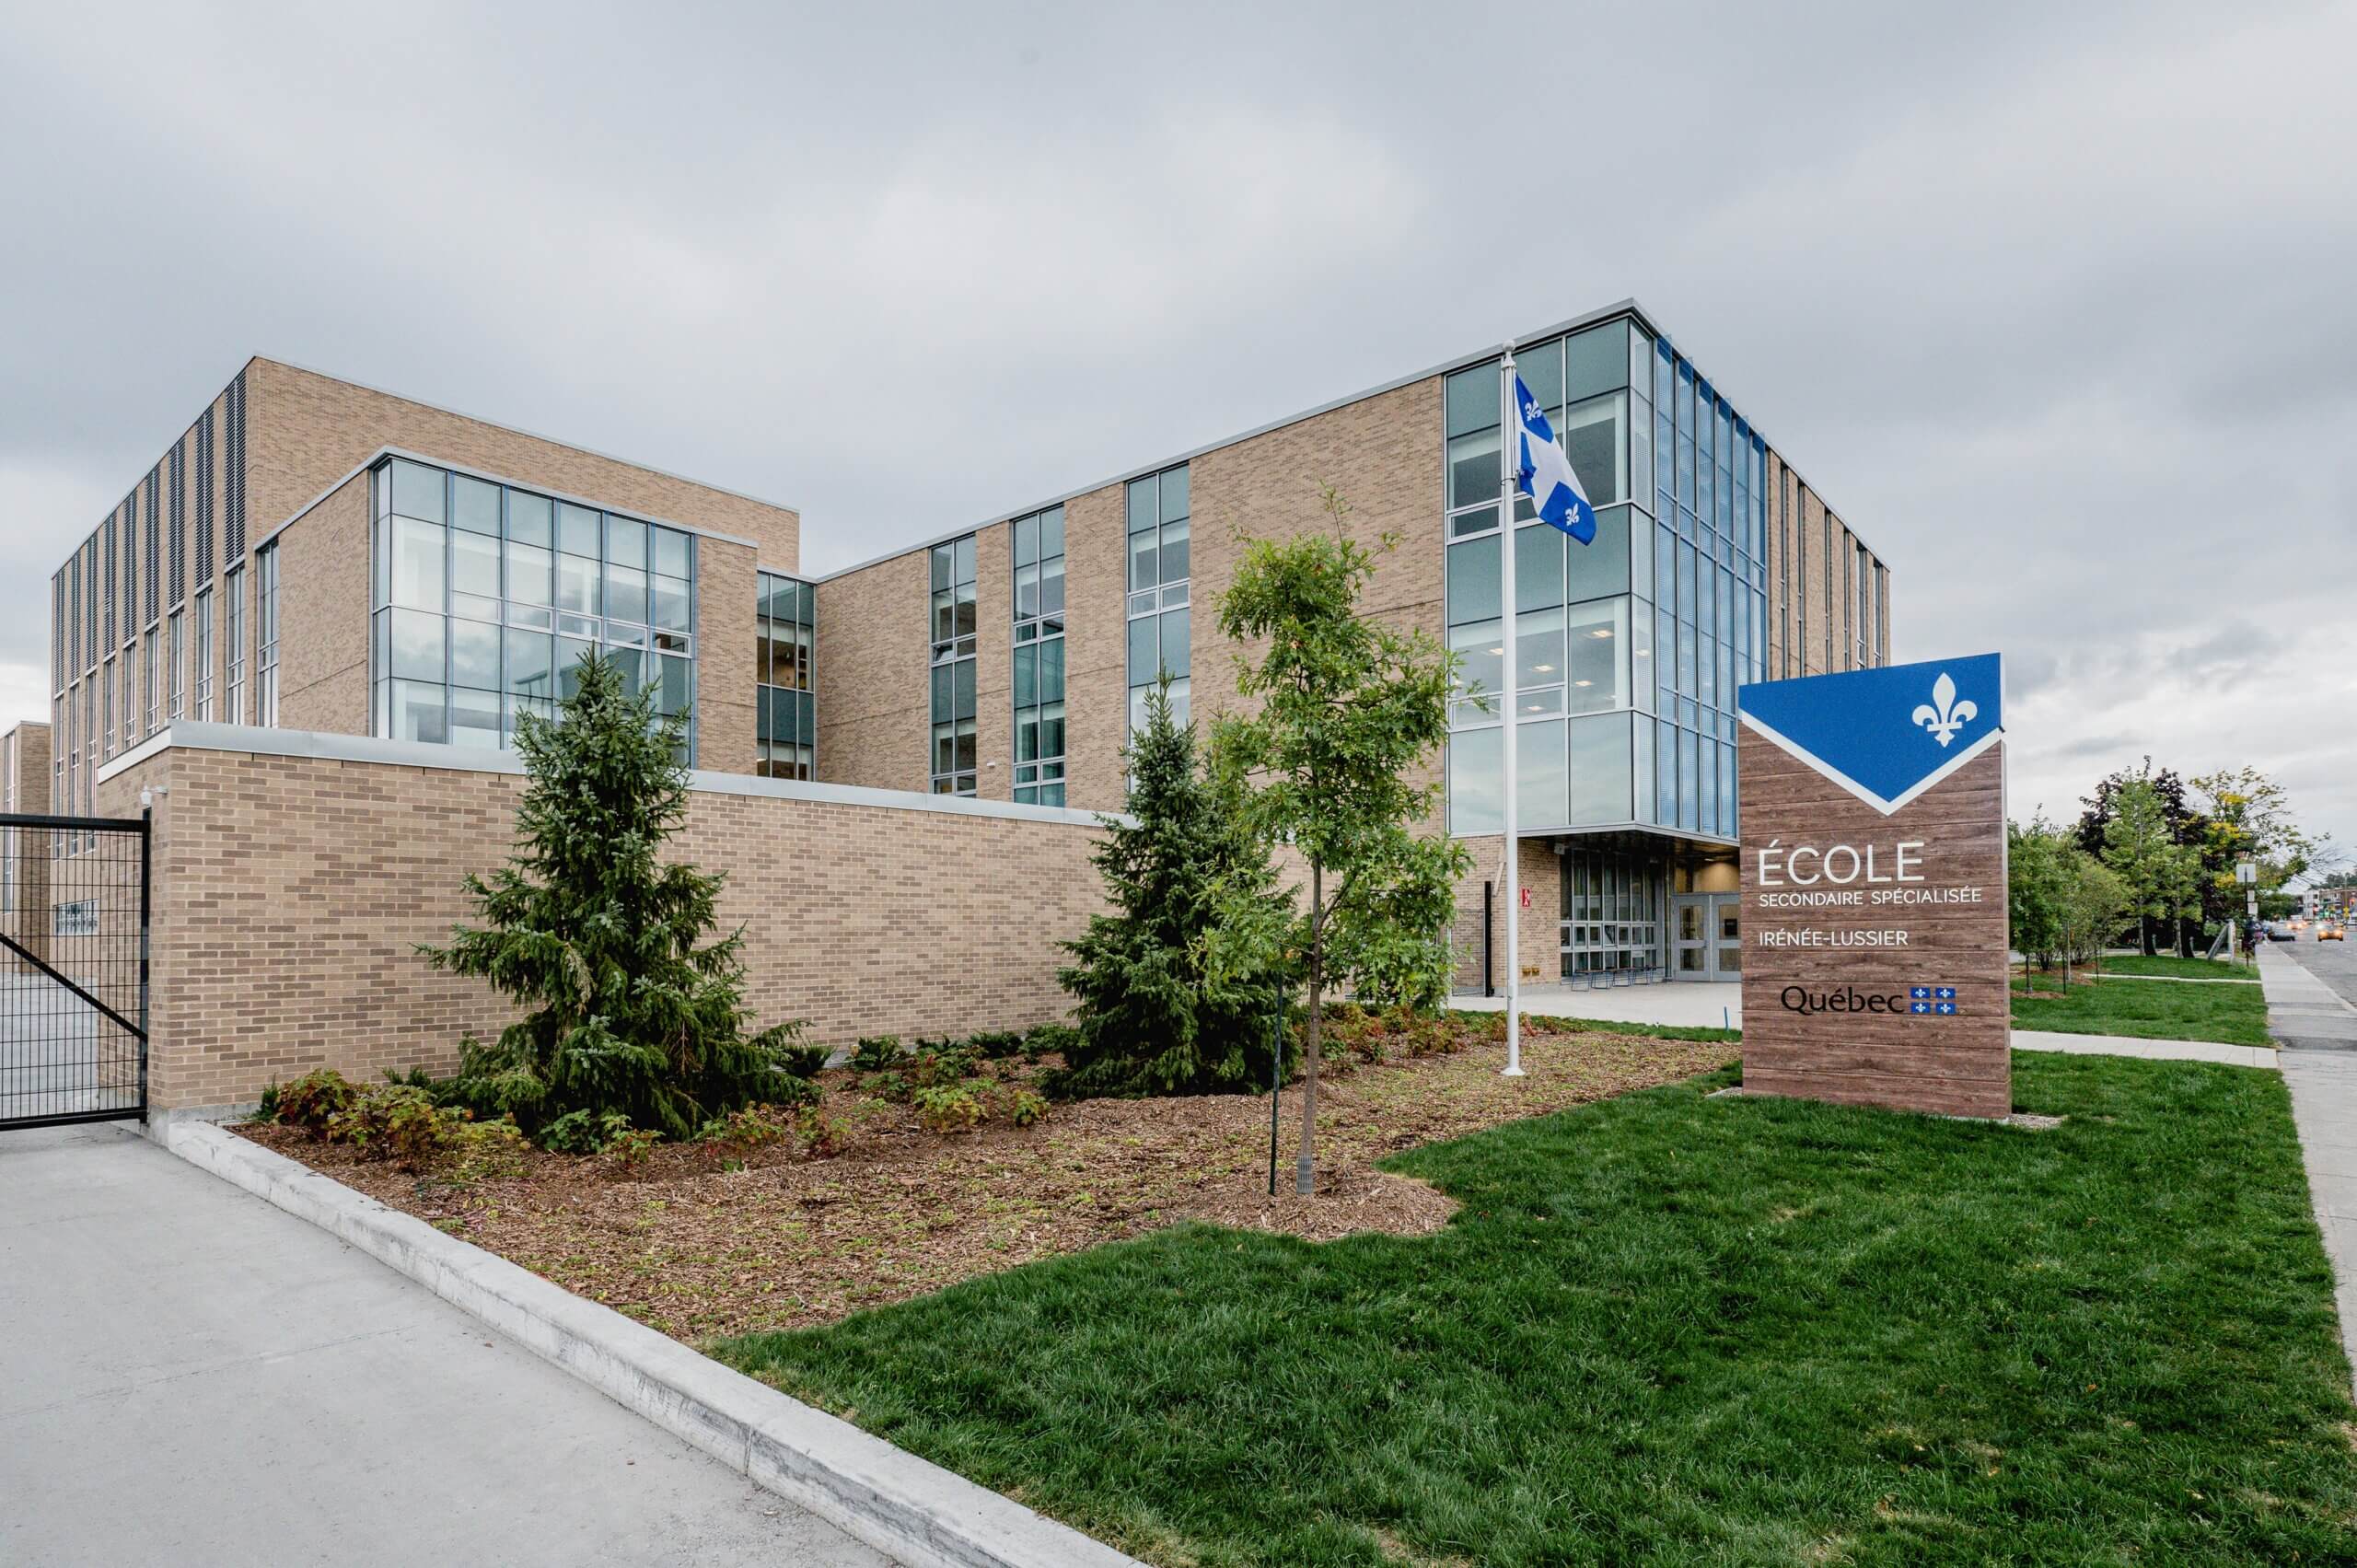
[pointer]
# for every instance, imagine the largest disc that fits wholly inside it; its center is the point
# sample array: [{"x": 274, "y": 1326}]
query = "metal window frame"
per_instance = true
[{"x": 810, "y": 670}]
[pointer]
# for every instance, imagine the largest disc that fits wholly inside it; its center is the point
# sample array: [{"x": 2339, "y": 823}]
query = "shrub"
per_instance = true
[
  {"x": 946, "y": 1061},
  {"x": 750, "y": 1126},
  {"x": 876, "y": 1053},
  {"x": 629, "y": 1149},
  {"x": 397, "y": 1122},
  {"x": 1046, "y": 1038},
  {"x": 949, "y": 1108},
  {"x": 822, "y": 1136},
  {"x": 313, "y": 1101},
  {"x": 583, "y": 1132},
  {"x": 630, "y": 1003},
  {"x": 893, "y": 1087},
  {"x": 1025, "y": 1107},
  {"x": 805, "y": 1060},
  {"x": 476, "y": 1151},
  {"x": 996, "y": 1045}
]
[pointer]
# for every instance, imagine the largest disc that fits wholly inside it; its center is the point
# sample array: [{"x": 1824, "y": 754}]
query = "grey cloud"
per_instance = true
[{"x": 2050, "y": 300}]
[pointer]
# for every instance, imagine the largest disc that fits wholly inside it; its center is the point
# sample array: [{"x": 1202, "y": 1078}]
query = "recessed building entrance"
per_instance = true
[{"x": 1705, "y": 936}]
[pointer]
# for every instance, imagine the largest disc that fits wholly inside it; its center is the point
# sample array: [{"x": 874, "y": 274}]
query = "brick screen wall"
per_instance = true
[{"x": 291, "y": 892}]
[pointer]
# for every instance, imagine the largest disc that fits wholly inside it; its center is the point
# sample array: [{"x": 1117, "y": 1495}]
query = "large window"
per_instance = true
[
  {"x": 786, "y": 722},
  {"x": 953, "y": 668},
  {"x": 1613, "y": 912},
  {"x": 487, "y": 596},
  {"x": 204, "y": 654},
  {"x": 233, "y": 593},
  {"x": 176, "y": 653},
  {"x": 1161, "y": 583},
  {"x": 266, "y": 626},
  {"x": 1040, "y": 657}
]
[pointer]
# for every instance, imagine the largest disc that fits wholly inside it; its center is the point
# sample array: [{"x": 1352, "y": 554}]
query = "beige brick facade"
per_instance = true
[{"x": 290, "y": 892}]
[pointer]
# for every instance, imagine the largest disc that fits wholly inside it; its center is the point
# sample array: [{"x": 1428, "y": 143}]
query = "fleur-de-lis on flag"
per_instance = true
[{"x": 1944, "y": 715}]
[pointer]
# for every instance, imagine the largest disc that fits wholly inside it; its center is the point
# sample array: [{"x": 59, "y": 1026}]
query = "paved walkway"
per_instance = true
[
  {"x": 189, "y": 1376},
  {"x": 2311, "y": 1018}
]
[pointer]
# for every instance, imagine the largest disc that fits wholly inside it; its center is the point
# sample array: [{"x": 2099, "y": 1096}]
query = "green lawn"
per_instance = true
[
  {"x": 2149, "y": 1009},
  {"x": 1669, "y": 1328},
  {"x": 2169, "y": 964}
]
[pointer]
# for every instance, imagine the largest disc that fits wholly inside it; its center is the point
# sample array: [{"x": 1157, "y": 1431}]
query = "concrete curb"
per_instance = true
[{"x": 903, "y": 1506}]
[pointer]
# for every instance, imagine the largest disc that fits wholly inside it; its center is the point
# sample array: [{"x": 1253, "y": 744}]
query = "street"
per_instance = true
[{"x": 2335, "y": 964}]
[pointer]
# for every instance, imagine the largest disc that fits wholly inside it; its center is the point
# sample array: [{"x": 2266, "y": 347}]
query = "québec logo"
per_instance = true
[
  {"x": 1927, "y": 1001},
  {"x": 1944, "y": 715}
]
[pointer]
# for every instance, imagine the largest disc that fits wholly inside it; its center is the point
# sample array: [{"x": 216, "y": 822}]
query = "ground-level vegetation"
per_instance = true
[
  {"x": 2144, "y": 1007},
  {"x": 1672, "y": 1327},
  {"x": 917, "y": 1166}
]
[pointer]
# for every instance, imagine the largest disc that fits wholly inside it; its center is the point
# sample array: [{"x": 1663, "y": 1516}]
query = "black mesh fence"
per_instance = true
[{"x": 73, "y": 906}]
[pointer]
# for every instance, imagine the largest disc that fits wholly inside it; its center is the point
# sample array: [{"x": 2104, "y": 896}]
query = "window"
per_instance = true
[
  {"x": 148, "y": 645},
  {"x": 204, "y": 654},
  {"x": 1826, "y": 553},
  {"x": 176, "y": 650},
  {"x": 266, "y": 626},
  {"x": 106, "y": 689},
  {"x": 1613, "y": 906},
  {"x": 954, "y": 741},
  {"x": 1038, "y": 543},
  {"x": 785, "y": 723},
  {"x": 1161, "y": 583},
  {"x": 233, "y": 593},
  {"x": 485, "y": 597},
  {"x": 1863, "y": 574}
]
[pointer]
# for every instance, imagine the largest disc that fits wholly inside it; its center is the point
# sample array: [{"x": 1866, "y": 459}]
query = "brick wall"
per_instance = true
[{"x": 291, "y": 892}]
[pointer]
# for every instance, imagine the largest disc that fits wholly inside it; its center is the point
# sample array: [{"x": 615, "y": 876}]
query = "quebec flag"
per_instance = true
[{"x": 1544, "y": 473}]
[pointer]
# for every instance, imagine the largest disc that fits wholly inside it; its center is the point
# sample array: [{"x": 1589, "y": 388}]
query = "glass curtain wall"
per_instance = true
[
  {"x": 786, "y": 741},
  {"x": 1629, "y": 649},
  {"x": 954, "y": 614},
  {"x": 1040, "y": 657},
  {"x": 1161, "y": 579},
  {"x": 487, "y": 596},
  {"x": 266, "y": 626}
]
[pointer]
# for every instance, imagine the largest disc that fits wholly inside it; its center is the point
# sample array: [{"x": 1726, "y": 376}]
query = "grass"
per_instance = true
[
  {"x": 2235, "y": 1014},
  {"x": 2170, "y": 966},
  {"x": 1672, "y": 1329}
]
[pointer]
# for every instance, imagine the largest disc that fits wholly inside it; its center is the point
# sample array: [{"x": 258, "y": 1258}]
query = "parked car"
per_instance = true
[{"x": 2280, "y": 931}]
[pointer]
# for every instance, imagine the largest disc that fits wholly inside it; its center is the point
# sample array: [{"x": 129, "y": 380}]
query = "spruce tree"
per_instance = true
[
  {"x": 635, "y": 1006},
  {"x": 1153, "y": 1018}
]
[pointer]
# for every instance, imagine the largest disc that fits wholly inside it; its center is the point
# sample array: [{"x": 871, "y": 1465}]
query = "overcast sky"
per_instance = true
[{"x": 2055, "y": 303}]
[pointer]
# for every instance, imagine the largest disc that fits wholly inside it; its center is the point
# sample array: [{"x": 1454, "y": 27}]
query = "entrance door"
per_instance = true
[{"x": 1705, "y": 936}]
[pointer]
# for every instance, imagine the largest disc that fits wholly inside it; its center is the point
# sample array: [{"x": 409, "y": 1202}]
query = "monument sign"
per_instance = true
[{"x": 1874, "y": 888}]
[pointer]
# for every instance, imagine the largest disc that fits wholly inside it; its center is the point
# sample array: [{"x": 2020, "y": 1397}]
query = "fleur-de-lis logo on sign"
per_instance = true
[{"x": 1944, "y": 715}]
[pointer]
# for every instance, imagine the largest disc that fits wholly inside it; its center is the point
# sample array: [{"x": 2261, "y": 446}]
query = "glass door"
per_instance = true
[
  {"x": 1726, "y": 950},
  {"x": 1689, "y": 936}
]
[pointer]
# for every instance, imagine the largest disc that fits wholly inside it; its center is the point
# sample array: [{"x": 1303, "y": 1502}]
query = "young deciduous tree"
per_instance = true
[
  {"x": 634, "y": 1007},
  {"x": 1344, "y": 710},
  {"x": 2038, "y": 881},
  {"x": 2142, "y": 850},
  {"x": 1155, "y": 1016}
]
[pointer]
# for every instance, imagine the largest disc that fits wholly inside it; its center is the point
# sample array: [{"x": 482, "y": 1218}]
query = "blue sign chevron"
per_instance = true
[{"x": 1884, "y": 735}]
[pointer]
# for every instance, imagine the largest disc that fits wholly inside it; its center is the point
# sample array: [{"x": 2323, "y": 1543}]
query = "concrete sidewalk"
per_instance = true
[
  {"x": 2318, "y": 1033},
  {"x": 190, "y": 1375}
]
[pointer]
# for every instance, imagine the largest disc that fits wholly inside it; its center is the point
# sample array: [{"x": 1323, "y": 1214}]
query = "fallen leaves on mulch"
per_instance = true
[{"x": 699, "y": 1250}]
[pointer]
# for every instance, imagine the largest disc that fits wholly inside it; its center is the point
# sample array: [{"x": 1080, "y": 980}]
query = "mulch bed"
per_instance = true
[{"x": 702, "y": 1241}]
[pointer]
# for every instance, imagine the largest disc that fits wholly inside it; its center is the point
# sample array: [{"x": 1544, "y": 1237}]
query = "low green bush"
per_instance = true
[
  {"x": 1025, "y": 1107},
  {"x": 805, "y": 1060},
  {"x": 946, "y": 1061},
  {"x": 584, "y": 1132},
  {"x": 874, "y": 1053},
  {"x": 311, "y": 1101},
  {"x": 395, "y": 1121},
  {"x": 1045, "y": 1039},
  {"x": 995, "y": 1045},
  {"x": 949, "y": 1108}
]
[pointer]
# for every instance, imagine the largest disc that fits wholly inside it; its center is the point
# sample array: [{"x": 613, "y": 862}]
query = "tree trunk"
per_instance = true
[{"x": 1305, "y": 1165}]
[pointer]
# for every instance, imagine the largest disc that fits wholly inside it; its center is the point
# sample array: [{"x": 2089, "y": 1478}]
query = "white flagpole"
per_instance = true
[{"x": 1509, "y": 452}]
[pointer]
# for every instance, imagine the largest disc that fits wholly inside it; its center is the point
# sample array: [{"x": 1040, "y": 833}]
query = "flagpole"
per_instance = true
[{"x": 1509, "y": 455}]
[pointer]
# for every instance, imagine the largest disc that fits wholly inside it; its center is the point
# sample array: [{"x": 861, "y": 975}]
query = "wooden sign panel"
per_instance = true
[{"x": 1874, "y": 888}]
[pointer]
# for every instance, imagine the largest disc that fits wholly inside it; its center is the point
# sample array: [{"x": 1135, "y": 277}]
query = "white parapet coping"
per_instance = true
[
  {"x": 906, "y": 1507},
  {"x": 256, "y": 740}
]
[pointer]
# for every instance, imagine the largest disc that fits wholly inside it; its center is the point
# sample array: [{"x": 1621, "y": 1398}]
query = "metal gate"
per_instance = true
[{"x": 74, "y": 901}]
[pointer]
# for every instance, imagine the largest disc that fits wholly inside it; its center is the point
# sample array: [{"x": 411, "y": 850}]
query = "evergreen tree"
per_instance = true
[
  {"x": 634, "y": 1007},
  {"x": 1153, "y": 1018}
]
